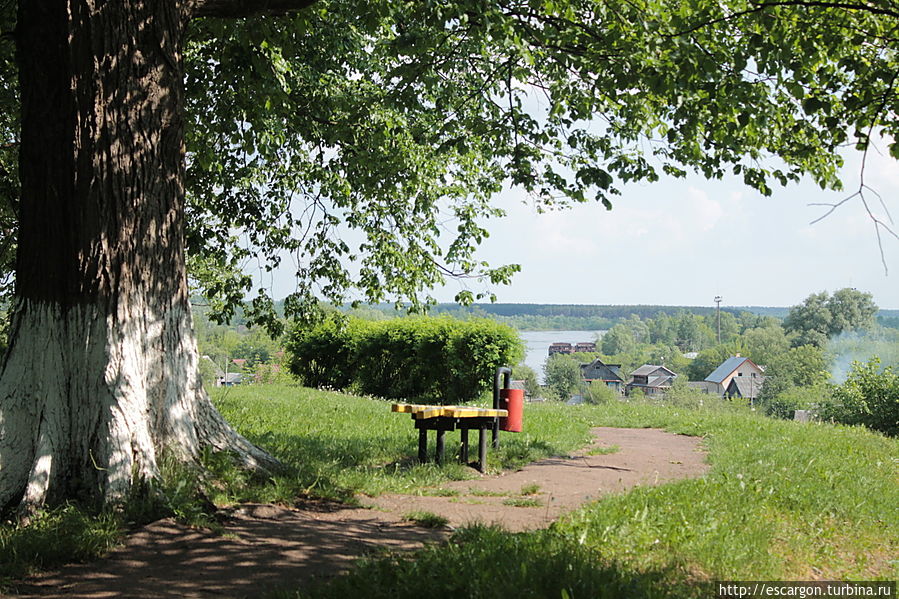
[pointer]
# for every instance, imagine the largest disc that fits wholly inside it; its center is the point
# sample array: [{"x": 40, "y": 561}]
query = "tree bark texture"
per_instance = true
[{"x": 102, "y": 374}]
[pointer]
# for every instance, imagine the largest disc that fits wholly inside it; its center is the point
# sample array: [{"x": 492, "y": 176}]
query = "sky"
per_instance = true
[{"x": 686, "y": 241}]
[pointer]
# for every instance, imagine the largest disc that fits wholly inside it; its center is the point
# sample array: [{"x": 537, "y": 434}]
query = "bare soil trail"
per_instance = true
[{"x": 265, "y": 548}]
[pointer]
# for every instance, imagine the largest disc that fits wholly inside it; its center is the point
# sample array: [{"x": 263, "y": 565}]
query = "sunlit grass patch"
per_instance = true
[
  {"x": 603, "y": 450},
  {"x": 439, "y": 492},
  {"x": 531, "y": 489},
  {"x": 522, "y": 502},
  {"x": 426, "y": 519}
]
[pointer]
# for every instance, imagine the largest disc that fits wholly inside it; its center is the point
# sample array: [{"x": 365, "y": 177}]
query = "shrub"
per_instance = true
[
  {"x": 870, "y": 396},
  {"x": 525, "y": 373},
  {"x": 681, "y": 394},
  {"x": 442, "y": 360},
  {"x": 600, "y": 393},
  {"x": 562, "y": 375},
  {"x": 322, "y": 356},
  {"x": 788, "y": 401}
]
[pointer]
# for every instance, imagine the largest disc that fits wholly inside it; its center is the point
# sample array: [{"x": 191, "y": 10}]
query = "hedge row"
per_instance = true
[{"x": 438, "y": 360}]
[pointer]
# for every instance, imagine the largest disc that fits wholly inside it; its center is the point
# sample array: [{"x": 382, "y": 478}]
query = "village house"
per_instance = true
[
  {"x": 735, "y": 367},
  {"x": 597, "y": 370},
  {"x": 653, "y": 380},
  {"x": 746, "y": 387}
]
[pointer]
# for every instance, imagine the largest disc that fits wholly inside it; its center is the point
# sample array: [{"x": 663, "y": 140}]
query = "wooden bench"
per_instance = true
[{"x": 449, "y": 418}]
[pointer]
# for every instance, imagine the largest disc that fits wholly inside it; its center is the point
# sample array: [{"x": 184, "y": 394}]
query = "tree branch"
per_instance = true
[
  {"x": 863, "y": 6},
  {"x": 244, "y": 8}
]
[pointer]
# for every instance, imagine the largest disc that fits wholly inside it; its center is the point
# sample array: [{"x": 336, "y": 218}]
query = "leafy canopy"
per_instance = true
[
  {"x": 365, "y": 140},
  {"x": 822, "y": 316}
]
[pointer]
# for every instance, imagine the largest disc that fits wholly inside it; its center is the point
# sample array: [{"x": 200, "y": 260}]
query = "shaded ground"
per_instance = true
[{"x": 265, "y": 548}]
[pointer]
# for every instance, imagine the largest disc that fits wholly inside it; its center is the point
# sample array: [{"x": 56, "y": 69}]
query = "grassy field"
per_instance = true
[
  {"x": 338, "y": 445},
  {"x": 783, "y": 501}
]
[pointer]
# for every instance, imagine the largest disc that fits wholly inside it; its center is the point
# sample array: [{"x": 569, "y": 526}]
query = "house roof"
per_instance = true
[
  {"x": 728, "y": 366},
  {"x": 599, "y": 362},
  {"x": 660, "y": 381},
  {"x": 611, "y": 368},
  {"x": 747, "y": 386},
  {"x": 657, "y": 382},
  {"x": 648, "y": 369}
]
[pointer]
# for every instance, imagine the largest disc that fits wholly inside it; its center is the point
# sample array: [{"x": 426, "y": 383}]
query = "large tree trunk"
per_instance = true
[{"x": 101, "y": 375}]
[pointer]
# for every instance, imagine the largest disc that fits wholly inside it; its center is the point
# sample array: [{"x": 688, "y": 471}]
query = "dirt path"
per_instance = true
[{"x": 266, "y": 547}]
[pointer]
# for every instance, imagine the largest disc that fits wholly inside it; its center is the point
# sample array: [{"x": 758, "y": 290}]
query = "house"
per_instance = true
[
  {"x": 704, "y": 387},
  {"x": 746, "y": 387},
  {"x": 597, "y": 370},
  {"x": 560, "y": 348},
  {"x": 229, "y": 379},
  {"x": 652, "y": 379},
  {"x": 733, "y": 367}
]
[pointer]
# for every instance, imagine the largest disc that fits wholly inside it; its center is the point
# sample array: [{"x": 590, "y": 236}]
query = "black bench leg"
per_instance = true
[
  {"x": 463, "y": 457},
  {"x": 440, "y": 446},
  {"x": 482, "y": 450},
  {"x": 422, "y": 446}
]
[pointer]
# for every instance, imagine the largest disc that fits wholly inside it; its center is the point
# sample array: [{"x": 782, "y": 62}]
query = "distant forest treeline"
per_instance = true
[
  {"x": 530, "y": 317},
  {"x": 584, "y": 317}
]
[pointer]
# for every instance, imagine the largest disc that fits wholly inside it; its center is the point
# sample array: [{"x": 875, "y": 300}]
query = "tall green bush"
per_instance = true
[
  {"x": 870, "y": 396},
  {"x": 323, "y": 356},
  {"x": 440, "y": 360},
  {"x": 562, "y": 376}
]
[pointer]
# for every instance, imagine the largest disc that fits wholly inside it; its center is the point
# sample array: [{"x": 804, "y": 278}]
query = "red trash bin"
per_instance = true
[{"x": 511, "y": 400}]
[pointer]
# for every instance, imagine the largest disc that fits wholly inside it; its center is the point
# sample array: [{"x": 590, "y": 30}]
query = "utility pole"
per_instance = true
[{"x": 718, "y": 311}]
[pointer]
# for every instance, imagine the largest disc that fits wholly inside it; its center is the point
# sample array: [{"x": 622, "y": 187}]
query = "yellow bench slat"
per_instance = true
[
  {"x": 421, "y": 412},
  {"x": 431, "y": 412}
]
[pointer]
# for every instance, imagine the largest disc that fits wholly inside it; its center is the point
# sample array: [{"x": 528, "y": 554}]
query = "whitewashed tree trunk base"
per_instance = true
[{"x": 89, "y": 401}]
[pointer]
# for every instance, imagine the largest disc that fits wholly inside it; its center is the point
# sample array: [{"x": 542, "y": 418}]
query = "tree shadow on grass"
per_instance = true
[{"x": 487, "y": 561}]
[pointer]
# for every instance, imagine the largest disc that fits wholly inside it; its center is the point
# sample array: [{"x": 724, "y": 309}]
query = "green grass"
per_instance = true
[
  {"x": 603, "y": 450},
  {"x": 782, "y": 501},
  {"x": 531, "y": 489},
  {"x": 426, "y": 519},
  {"x": 522, "y": 502},
  {"x": 55, "y": 537},
  {"x": 474, "y": 491},
  {"x": 439, "y": 492},
  {"x": 338, "y": 445}
]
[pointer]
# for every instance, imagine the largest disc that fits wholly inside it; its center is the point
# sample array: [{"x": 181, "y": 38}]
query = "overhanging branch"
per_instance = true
[{"x": 245, "y": 8}]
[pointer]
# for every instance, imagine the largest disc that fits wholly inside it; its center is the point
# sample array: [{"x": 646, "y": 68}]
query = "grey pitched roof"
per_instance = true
[
  {"x": 648, "y": 369},
  {"x": 747, "y": 386},
  {"x": 660, "y": 381},
  {"x": 726, "y": 367}
]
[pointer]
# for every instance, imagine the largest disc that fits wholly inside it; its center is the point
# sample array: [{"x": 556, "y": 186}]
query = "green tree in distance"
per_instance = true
[
  {"x": 822, "y": 316},
  {"x": 618, "y": 340},
  {"x": 804, "y": 366},
  {"x": 562, "y": 375},
  {"x": 765, "y": 343},
  {"x": 224, "y": 131}
]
